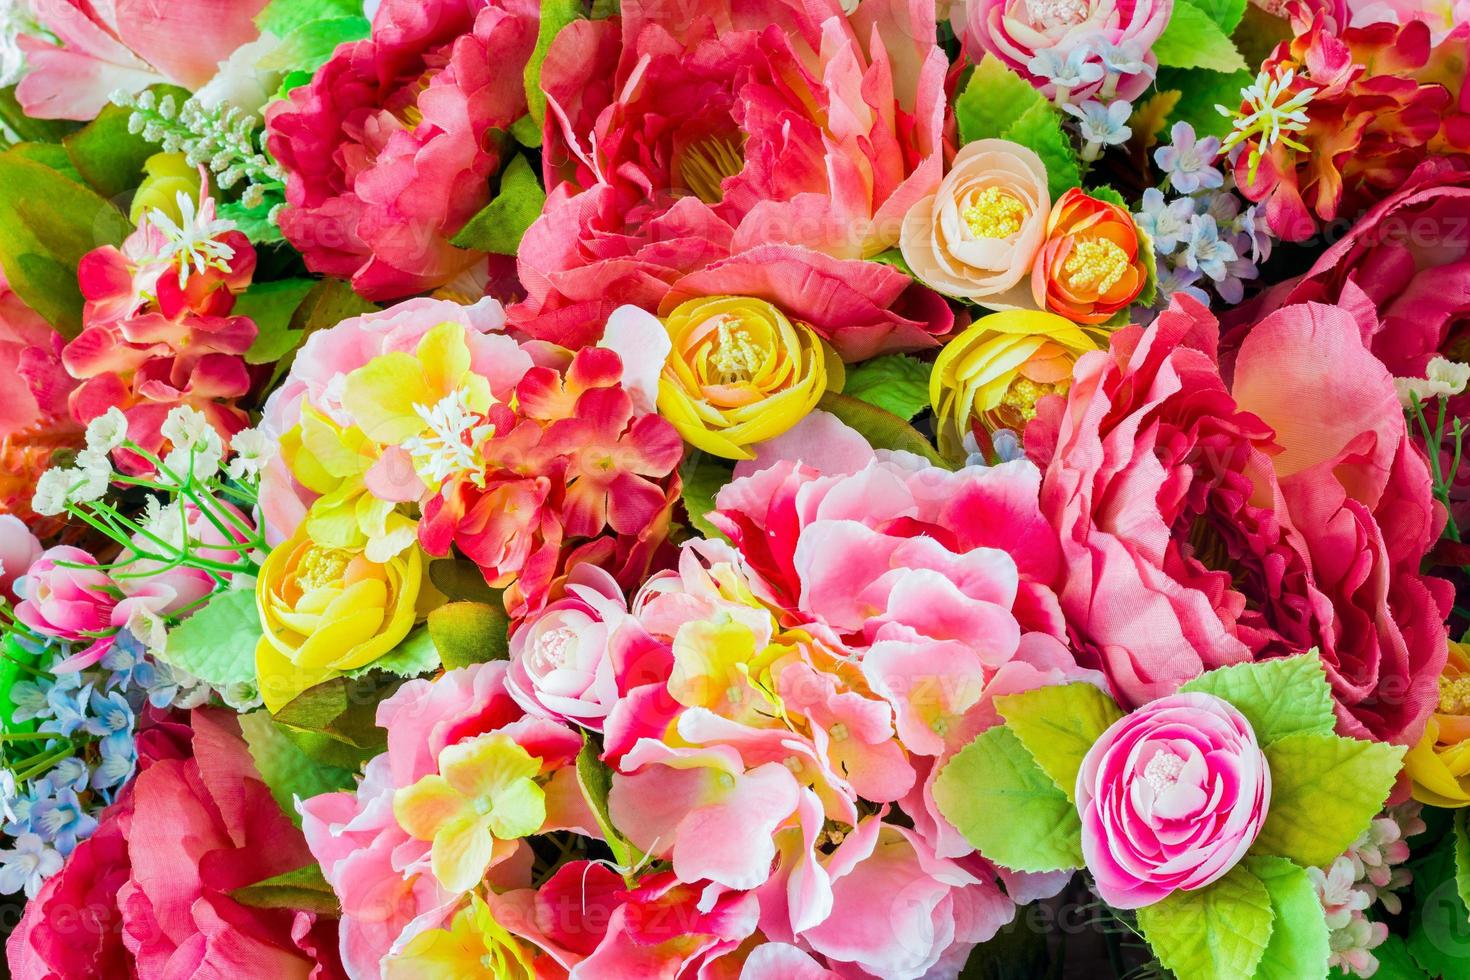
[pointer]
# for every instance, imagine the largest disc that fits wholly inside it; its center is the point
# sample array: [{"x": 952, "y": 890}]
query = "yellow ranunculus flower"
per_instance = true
[
  {"x": 997, "y": 370},
  {"x": 740, "y": 373},
  {"x": 166, "y": 174},
  {"x": 473, "y": 944},
  {"x": 328, "y": 610},
  {"x": 1439, "y": 766}
]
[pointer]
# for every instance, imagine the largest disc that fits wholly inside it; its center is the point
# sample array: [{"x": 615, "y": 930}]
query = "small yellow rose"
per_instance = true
[
  {"x": 328, "y": 610},
  {"x": 740, "y": 373},
  {"x": 1439, "y": 766},
  {"x": 165, "y": 175},
  {"x": 995, "y": 372}
]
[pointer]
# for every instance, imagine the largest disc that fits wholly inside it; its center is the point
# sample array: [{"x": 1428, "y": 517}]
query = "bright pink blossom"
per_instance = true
[
  {"x": 19, "y": 550},
  {"x": 29, "y": 350},
  {"x": 1171, "y": 797}
]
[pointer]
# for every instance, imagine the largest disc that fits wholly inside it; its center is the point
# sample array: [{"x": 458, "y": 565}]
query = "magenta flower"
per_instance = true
[{"x": 1171, "y": 797}]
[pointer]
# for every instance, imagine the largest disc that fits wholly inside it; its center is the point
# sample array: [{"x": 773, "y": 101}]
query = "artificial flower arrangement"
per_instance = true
[{"x": 862, "y": 489}]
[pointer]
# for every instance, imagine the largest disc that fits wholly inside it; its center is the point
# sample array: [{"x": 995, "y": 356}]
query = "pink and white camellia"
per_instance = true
[
  {"x": 1018, "y": 31},
  {"x": 1171, "y": 797}
]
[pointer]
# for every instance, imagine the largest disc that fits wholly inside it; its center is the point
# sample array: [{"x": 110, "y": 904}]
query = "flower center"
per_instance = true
[
  {"x": 552, "y": 648},
  {"x": 1163, "y": 771},
  {"x": 706, "y": 163},
  {"x": 1057, "y": 13},
  {"x": 1454, "y": 696},
  {"x": 734, "y": 358},
  {"x": 405, "y": 106},
  {"x": 450, "y": 446},
  {"x": 1095, "y": 265},
  {"x": 994, "y": 214},
  {"x": 1023, "y": 394},
  {"x": 322, "y": 567}
]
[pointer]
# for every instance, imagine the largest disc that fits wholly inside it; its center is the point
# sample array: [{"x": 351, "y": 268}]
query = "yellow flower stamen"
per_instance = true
[
  {"x": 1095, "y": 265},
  {"x": 995, "y": 214},
  {"x": 1454, "y": 696},
  {"x": 734, "y": 358},
  {"x": 1023, "y": 394},
  {"x": 706, "y": 163},
  {"x": 322, "y": 567}
]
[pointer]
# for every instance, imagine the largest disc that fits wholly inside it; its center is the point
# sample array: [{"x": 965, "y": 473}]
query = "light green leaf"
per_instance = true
[
  {"x": 1225, "y": 13},
  {"x": 595, "y": 779},
  {"x": 882, "y": 429},
  {"x": 894, "y": 259},
  {"x": 1193, "y": 40},
  {"x": 47, "y": 224},
  {"x": 1298, "y": 946},
  {"x": 896, "y": 383},
  {"x": 1007, "y": 807},
  {"x": 1057, "y": 725},
  {"x": 469, "y": 633},
  {"x": 36, "y": 130},
  {"x": 286, "y": 769},
  {"x": 500, "y": 224},
  {"x": 329, "y": 303},
  {"x": 255, "y": 223},
  {"x": 1106, "y": 193},
  {"x": 106, "y": 155},
  {"x": 1219, "y": 932},
  {"x": 703, "y": 476},
  {"x": 1324, "y": 791},
  {"x": 217, "y": 643},
  {"x": 304, "y": 888},
  {"x": 555, "y": 14},
  {"x": 281, "y": 17},
  {"x": 311, "y": 45},
  {"x": 1287, "y": 696},
  {"x": 342, "y": 710},
  {"x": 1394, "y": 961},
  {"x": 416, "y": 655},
  {"x": 1040, "y": 129},
  {"x": 1199, "y": 92},
  {"x": 993, "y": 99},
  {"x": 272, "y": 305}
]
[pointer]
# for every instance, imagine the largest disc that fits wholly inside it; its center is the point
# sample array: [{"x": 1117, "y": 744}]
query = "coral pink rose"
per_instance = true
[
  {"x": 391, "y": 148},
  {"x": 1171, "y": 797},
  {"x": 148, "y": 894},
  {"x": 1276, "y": 509}
]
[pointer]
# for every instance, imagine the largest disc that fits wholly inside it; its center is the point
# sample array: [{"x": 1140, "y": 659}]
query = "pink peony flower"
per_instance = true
[
  {"x": 19, "y": 550},
  {"x": 1171, "y": 797},
  {"x": 1274, "y": 509},
  {"x": 1023, "y": 32},
  {"x": 391, "y": 148},
  {"x": 127, "y": 45},
  {"x": 745, "y": 150},
  {"x": 29, "y": 350},
  {"x": 151, "y": 887}
]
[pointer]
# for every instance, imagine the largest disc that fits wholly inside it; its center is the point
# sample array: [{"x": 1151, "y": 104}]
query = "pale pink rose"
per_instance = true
[
  {"x": 19, "y": 550},
  {"x": 977, "y": 236},
  {"x": 1171, "y": 797}
]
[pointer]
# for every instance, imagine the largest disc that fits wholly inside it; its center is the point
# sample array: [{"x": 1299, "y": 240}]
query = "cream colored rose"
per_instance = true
[{"x": 977, "y": 237}]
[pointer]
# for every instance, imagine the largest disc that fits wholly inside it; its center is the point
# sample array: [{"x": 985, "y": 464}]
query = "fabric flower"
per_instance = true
[
  {"x": 1171, "y": 797},
  {"x": 1092, "y": 264},
  {"x": 1207, "y": 520},
  {"x": 977, "y": 236},
  {"x": 1187, "y": 160},
  {"x": 1439, "y": 765},
  {"x": 19, "y": 550}
]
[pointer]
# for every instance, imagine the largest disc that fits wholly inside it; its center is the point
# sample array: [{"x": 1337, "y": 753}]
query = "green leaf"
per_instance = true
[
  {"x": 1219, "y": 932},
  {"x": 1057, "y": 725},
  {"x": 1193, "y": 40},
  {"x": 882, "y": 429},
  {"x": 1040, "y": 128},
  {"x": 893, "y": 258},
  {"x": 255, "y": 223},
  {"x": 896, "y": 383},
  {"x": 106, "y": 155},
  {"x": 1106, "y": 193},
  {"x": 1462, "y": 858},
  {"x": 416, "y": 655},
  {"x": 343, "y": 709},
  {"x": 470, "y": 633},
  {"x": 1324, "y": 791},
  {"x": 703, "y": 476},
  {"x": 1298, "y": 946},
  {"x": 281, "y": 17},
  {"x": 501, "y": 223},
  {"x": 272, "y": 305},
  {"x": 14, "y": 658},
  {"x": 311, "y": 45},
  {"x": 595, "y": 779},
  {"x": 1394, "y": 961},
  {"x": 1151, "y": 269},
  {"x": 555, "y": 14},
  {"x": 462, "y": 580},
  {"x": 1439, "y": 930},
  {"x": 285, "y": 767},
  {"x": 1007, "y": 807},
  {"x": 329, "y": 303},
  {"x": 1225, "y": 13},
  {"x": 1199, "y": 92},
  {"x": 27, "y": 128},
  {"x": 993, "y": 100},
  {"x": 52, "y": 155},
  {"x": 304, "y": 888},
  {"x": 217, "y": 643},
  {"x": 1287, "y": 696},
  {"x": 46, "y": 225}
]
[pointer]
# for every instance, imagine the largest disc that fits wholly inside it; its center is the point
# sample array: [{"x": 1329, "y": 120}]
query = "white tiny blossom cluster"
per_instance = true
[{"x": 1443, "y": 378}]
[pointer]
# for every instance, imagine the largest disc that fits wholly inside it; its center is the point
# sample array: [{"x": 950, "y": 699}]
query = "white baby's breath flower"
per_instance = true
[
  {"x": 50, "y": 498},
  {"x": 1443, "y": 378},
  {"x": 184, "y": 427},
  {"x": 252, "y": 450},
  {"x": 90, "y": 479},
  {"x": 199, "y": 460},
  {"x": 107, "y": 431}
]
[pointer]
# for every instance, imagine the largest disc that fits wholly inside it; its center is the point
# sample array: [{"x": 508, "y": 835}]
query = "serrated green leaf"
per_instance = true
[
  {"x": 1394, "y": 962},
  {"x": 1298, "y": 946},
  {"x": 882, "y": 429},
  {"x": 1225, "y": 13},
  {"x": 1192, "y": 39},
  {"x": 555, "y": 15},
  {"x": 894, "y": 259},
  {"x": 1106, "y": 193},
  {"x": 255, "y": 223},
  {"x": 993, "y": 99},
  {"x": 595, "y": 779},
  {"x": 304, "y": 888},
  {"x": 1439, "y": 930},
  {"x": 1199, "y": 92},
  {"x": 1007, "y": 807},
  {"x": 1219, "y": 932},
  {"x": 470, "y": 633},
  {"x": 896, "y": 383},
  {"x": 272, "y": 305},
  {"x": 1058, "y": 725},
  {"x": 1040, "y": 129},
  {"x": 702, "y": 477},
  {"x": 499, "y": 226},
  {"x": 217, "y": 643},
  {"x": 47, "y": 224},
  {"x": 1287, "y": 696},
  {"x": 281, "y": 17},
  {"x": 416, "y": 655},
  {"x": 310, "y": 45},
  {"x": 106, "y": 155},
  {"x": 285, "y": 767},
  {"x": 1324, "y": 791}
]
